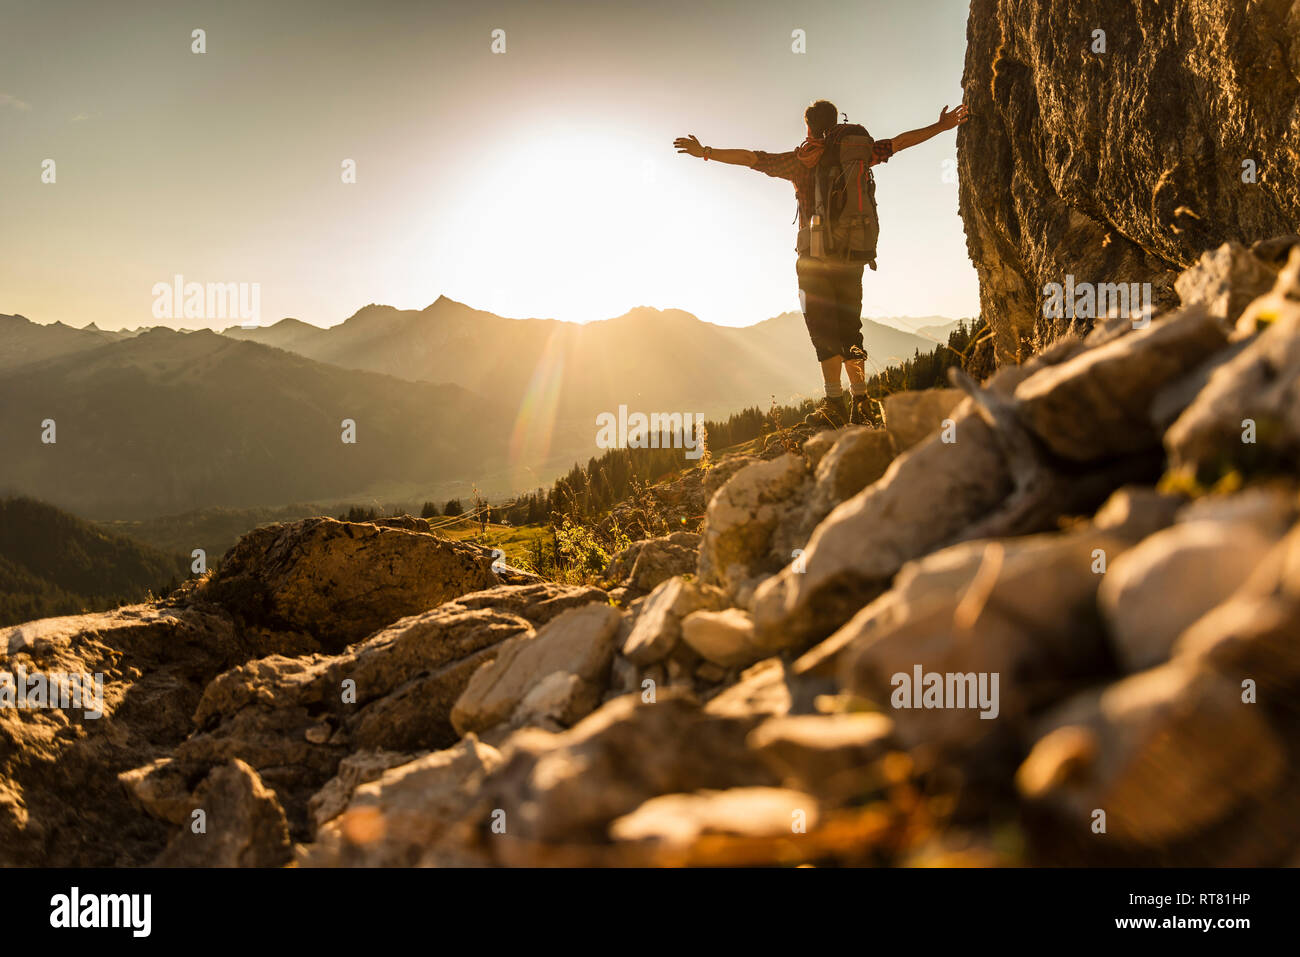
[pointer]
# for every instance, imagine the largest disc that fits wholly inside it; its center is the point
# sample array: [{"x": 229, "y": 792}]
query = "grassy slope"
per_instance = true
[{"x": 53, "y": 563}]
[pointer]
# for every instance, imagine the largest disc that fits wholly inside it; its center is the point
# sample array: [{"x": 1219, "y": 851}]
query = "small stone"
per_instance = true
[{"x": 725, "y": 638}]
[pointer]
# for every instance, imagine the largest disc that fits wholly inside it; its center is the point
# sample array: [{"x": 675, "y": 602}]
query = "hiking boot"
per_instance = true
[
  {"x": 829, "y": 414},
  {"x": 862, "y": 411}
]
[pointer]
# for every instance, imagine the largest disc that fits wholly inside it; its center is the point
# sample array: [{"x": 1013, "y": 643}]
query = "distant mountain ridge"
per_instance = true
[
  {"x": 168, "y": 421},
  {"x": 647, "y": 358},
  {"x": 23, "y": 341},
  {"x": 160, "y": 421}
]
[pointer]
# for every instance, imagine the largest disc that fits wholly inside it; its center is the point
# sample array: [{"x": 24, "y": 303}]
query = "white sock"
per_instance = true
[
  {"x": 834, "y": 390},
  {"x": 857, "y": 390}
]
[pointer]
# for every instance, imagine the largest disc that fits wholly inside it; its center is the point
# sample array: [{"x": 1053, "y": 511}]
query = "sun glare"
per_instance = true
[{"x": 570, "y": 219}]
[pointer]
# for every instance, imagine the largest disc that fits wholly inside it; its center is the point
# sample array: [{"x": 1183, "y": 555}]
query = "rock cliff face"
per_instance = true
[{"x": 1121, "y": 156}]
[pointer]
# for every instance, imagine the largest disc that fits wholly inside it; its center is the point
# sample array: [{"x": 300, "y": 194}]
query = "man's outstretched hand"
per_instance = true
[
  {"x": 956, "y": 118},
  {"x": 689, "y": 145}
]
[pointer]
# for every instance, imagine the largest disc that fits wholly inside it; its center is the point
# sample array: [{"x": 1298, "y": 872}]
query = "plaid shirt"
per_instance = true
[{"x": 789, "y": 166}]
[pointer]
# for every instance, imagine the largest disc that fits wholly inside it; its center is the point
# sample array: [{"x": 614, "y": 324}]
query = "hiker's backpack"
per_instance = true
[{"x": 843, "y": 225}]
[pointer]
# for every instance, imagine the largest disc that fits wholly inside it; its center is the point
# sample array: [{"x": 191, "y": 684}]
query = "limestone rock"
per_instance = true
[
  {"x": 155, "y": 661},
  {"x": 741, "y": 518},
  {"x": 1093, "y": 164},
  {"x": 565, "y": 789},
  {"x": 1136, "y": 512},
  {"x": 398, "y": 818},
  {"x": 160, "y": 789},
  {"x": 861, "y": 545},
  {"x": 725, "y": 638},
  {"x": 679, "y": 819},
  {"x": 858, "y": 457},
  {"x": 763, "y": 689},
  {"x": 829, "y": 755},
  {"x": 658, "y": 627},
  {"x": 1097, "y": 405},
  {"x": 1157, "y": 589},
  {"x": 354, "y": 770},
  {"x": 1225, "y": 280},
  {"x": 243, "y": 823},
  {"x": 537, "y": 603},
  {"x": 1165, "y": 753},
  {"x": 392, "y": 692},
  {"x": 1270, "y": 507},
  {"x": 1026, "y": 619},
  {"x": 645, "y": 564},
  {"x": 340, "y": 581},
  {"x": 911, "y": 416},
  {"x": 553, "y": 703},
  {"x": 1248, "y": 415},
  {"x": 816, "y": 446},
  {"x": 579, "y": 642},
  {"x": 1252, "y": 635}
]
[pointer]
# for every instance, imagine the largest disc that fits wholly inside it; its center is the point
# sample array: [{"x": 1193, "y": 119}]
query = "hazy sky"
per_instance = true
[{"x": 538, "y": 182}]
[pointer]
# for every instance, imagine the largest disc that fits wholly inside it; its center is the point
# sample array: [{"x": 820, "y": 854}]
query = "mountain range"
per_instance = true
[
  {"x": 447, "y": 398},
  {"x": 648, "y": 358}
]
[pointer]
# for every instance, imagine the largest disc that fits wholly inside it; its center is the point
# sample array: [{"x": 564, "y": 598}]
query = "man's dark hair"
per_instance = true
[{"x": 820, "y": 117}]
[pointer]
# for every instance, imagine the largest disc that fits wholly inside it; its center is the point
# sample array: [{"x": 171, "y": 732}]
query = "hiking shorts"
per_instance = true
[{"x": 831, "y": 297}]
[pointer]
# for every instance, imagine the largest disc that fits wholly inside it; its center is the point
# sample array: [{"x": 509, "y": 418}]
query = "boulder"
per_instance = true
[
  {"x": 1264, "y": 311},
  {"x": 353, "y": 771},
  {"x": 1139, "y": 751},
  {"x": 816, "y": 446},
  {"x": 1136, "y": 512},
  {"x": 537, "y": 603},
  {"x": 741, "y": 519},
  {"x": 911, "y": 416},
  {"x": 1157, "y": 589},
  {"x": 558, "y": 790},
  {"x": 725, "y": 638},
  {"x": 829, "y": 755},
  {"x": 1097, "y": 405},
  {"x": 399, "y": 817},
  {"x": 681, "y": 819},
  {"x": 643, "y": 565},
  {"x": 579, "y": 644},
  {"x": 294, "y": 719},
  {"x": 1251, "y": 636},
  {"x": 160, "y": 788},
  {"x": 1247, "y": 417},
  {"x": 762, "y": 689},
  {"x": 1225, "y": 280},
  {"x": 657, "y": 629},
  {"x": 243, "y": 824},
  {"x": 858, "y": 457},
  {"x": 1022, "y": 627},
  {"x": 154, "y": 661},
  {"x": 860, "y": 546},
  {"x": 340, "y": 581}
]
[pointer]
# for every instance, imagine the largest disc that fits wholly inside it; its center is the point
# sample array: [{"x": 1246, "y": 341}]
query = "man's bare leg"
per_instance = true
[
  {"x": 856, "y": 369},
  {"x": 831, "y": 376}
]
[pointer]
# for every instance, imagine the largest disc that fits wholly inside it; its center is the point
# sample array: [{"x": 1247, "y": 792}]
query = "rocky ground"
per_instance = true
[{"x": 1110, "y": 529}]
